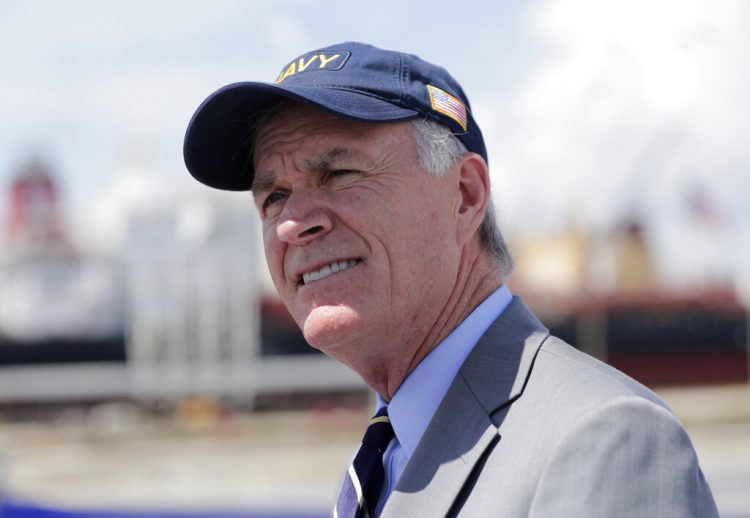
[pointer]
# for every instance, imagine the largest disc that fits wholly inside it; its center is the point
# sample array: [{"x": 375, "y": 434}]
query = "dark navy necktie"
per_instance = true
[{"x": 364, "y": 478}]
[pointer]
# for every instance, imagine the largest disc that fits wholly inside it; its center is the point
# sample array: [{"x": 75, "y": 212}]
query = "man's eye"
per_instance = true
[
  {"x": 335, "y": 173},
  {"x": 273, "y": 198}
]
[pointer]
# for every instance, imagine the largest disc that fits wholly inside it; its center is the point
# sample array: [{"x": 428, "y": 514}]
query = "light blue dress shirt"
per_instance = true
[{"x": 419, "y": 396}]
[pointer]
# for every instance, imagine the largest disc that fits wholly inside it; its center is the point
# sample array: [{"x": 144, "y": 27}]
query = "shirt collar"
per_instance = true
[{"x": 419, "y": 396}]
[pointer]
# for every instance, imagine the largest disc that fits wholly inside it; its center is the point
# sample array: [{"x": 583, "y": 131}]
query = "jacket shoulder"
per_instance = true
[{"x": 583, "y": 378}]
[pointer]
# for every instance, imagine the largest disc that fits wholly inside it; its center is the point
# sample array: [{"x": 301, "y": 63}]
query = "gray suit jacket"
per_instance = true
[{"x": 531, "y": 427}]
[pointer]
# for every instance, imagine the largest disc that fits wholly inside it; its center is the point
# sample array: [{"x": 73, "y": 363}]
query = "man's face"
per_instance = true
[{"x": 360, "y": 241}]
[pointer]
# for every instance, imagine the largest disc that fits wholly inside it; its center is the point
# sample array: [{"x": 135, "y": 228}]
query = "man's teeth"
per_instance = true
[{"x": 327, "y": 270}]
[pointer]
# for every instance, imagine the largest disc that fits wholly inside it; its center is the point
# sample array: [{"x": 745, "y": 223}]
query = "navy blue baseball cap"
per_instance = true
[{"x": 352, "y": 80}]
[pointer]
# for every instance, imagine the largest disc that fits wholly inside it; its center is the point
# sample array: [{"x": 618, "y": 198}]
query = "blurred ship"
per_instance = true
[
  {"x": 603, "y": 294},
  {"x": 56, "y": 304}
]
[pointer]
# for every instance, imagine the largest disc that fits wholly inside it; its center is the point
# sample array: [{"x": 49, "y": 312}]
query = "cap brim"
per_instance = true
[{"x": 218, "y": 145}]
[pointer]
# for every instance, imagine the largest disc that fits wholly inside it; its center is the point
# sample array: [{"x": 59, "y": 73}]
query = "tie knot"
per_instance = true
[{"x": 379, "y": 432}]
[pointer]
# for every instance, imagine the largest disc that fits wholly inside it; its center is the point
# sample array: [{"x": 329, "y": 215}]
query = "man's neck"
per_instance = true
[{"x": 476, "y": 281}]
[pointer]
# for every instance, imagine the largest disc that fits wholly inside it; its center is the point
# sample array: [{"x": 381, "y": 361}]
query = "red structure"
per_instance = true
[{"x": 34, "y": 217}]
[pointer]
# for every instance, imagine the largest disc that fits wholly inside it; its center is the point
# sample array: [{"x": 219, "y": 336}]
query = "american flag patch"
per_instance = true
[{"x": 445, "y": 103}]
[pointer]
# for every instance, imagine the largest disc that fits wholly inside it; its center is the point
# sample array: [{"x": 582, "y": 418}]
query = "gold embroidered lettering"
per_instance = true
[
  {"x": 290, "y": 71},
  {"x": 324, "y": 60},
  {"x": 302, "y": 66}
]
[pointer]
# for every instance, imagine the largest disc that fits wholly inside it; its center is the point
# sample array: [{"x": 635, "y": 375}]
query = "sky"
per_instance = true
[{"x": 592, "y": 111}]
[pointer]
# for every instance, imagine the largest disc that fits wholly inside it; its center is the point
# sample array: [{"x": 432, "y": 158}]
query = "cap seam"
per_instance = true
[{"x": 403, "y": 71}]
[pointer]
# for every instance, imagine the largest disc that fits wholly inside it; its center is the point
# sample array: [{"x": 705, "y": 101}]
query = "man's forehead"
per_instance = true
[
  {"x": 294, "y": 125},
  {"x": 337, "y": 156},
  {"x": 290, "y": 117},
  {"x": 333, "y": 156}
]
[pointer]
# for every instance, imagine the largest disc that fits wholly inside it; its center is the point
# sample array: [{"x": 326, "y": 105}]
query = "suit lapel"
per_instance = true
[
  {"x": 457, "y": 436},
  {"x": 462, "y": 429}
]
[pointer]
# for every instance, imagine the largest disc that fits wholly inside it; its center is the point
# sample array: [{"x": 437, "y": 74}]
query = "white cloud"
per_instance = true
[{"x": 617, "y": 78}]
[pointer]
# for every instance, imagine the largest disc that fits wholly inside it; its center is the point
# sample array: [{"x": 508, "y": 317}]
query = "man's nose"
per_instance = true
[{"x": 303, "y": 219}]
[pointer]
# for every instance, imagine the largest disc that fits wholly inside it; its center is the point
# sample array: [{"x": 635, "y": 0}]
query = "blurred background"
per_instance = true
[{"x": 147, "y": 367}]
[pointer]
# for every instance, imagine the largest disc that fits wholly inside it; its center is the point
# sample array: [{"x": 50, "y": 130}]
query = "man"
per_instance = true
[{"x": 371, "y": 180}]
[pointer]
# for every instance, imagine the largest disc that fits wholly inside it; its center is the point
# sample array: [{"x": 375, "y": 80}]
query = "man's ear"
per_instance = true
[{"x": 474, "y": 189}]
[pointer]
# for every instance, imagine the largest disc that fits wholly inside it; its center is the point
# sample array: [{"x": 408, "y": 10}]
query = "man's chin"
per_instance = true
[{"x": 328, "y": 328}]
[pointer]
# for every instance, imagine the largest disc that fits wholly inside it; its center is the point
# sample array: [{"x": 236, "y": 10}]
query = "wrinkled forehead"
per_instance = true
[
  {"x": 286, "y": 117},
  {"x": 282, "y": 108},
  {"x": 292, "y": 125}
]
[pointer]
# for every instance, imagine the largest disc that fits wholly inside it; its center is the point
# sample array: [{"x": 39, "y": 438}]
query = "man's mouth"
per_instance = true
[{"x": 327, "y": 270}]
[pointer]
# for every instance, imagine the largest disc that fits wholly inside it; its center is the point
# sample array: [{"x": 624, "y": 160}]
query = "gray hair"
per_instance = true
[{"x": 437, "y": 150}]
